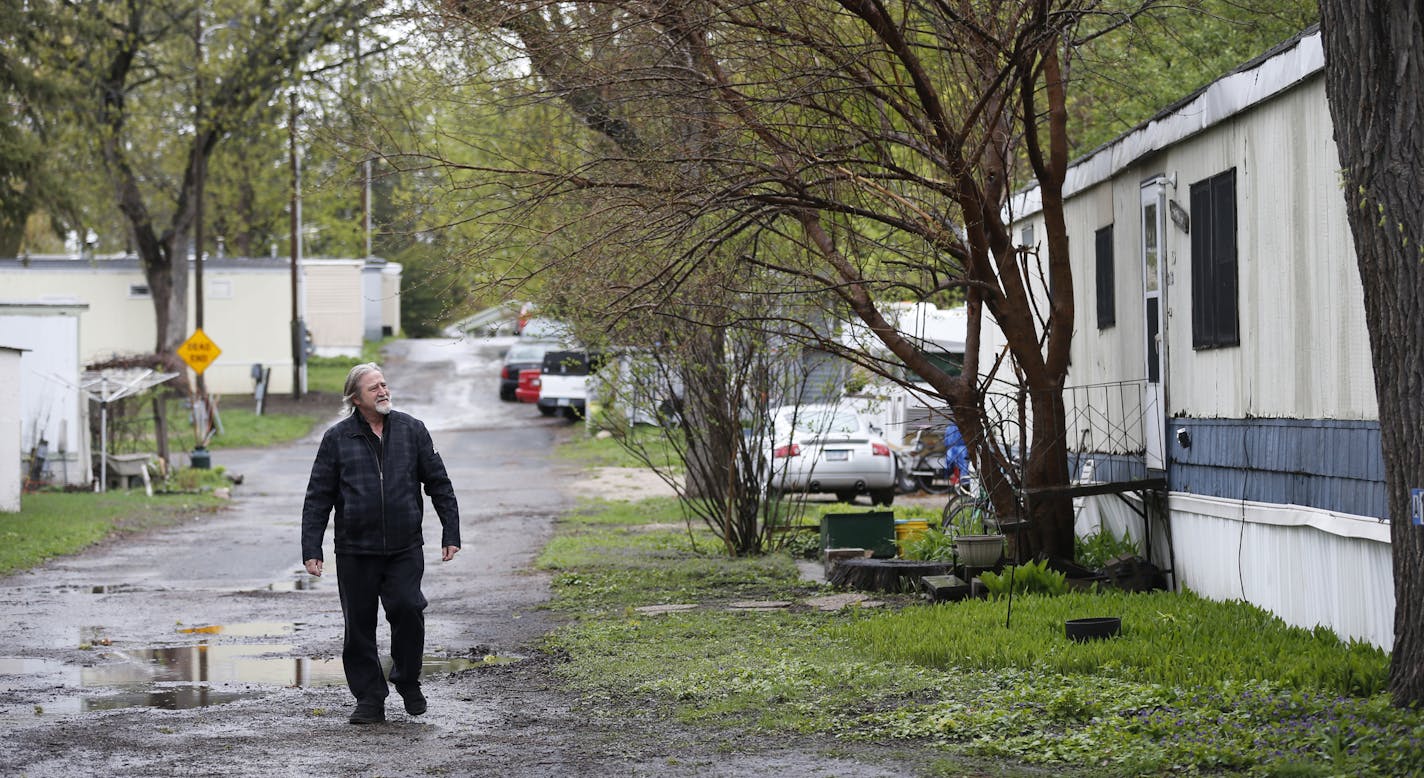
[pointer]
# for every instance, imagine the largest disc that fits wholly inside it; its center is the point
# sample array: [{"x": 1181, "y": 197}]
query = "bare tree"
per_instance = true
[
  {"x": 1374, "y": 81},
  {"x": 711, "y": 392},
  {"x": 872, "y": 145}
]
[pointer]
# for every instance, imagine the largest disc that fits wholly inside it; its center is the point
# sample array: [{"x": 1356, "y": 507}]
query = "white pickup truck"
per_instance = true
[{"x": 563, "y": 384}]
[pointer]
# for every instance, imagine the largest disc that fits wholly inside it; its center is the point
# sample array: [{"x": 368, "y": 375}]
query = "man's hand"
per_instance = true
[
  {"x": 314, "y": 567},
  {"x": 446, "y": 553}
]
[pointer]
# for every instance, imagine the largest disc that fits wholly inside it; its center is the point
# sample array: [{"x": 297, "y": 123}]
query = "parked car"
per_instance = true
[
  {"x": 564, "y": 383},
  {"x": 530, "y": 382},
  {"x": 520, "y": 356},
  {"x": 830, "y": 448}
]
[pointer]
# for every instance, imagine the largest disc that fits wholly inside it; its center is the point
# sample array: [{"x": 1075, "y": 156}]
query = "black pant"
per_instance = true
[{"x": 394, "y": 580}]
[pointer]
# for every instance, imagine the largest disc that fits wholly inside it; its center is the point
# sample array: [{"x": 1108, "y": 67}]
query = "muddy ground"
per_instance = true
[{"x": 204, "y": 649}]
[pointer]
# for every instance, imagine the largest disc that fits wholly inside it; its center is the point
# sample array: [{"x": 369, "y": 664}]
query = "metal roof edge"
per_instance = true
[{"x": 1254, "y": 82}]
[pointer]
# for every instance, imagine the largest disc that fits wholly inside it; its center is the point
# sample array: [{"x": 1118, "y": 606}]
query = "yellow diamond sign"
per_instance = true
[{"x": 199, "y": 351}]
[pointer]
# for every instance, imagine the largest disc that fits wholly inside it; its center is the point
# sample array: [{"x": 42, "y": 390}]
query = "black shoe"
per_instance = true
[
  {"x": 368, "y": 713},
  {"x": 414, "y": 700}
]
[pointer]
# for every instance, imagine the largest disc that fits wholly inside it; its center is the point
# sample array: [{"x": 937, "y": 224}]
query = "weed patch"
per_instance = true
[{"x": 1191, "y": 686}]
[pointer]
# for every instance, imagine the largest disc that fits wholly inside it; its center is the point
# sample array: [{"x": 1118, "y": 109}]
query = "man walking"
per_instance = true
[{"x": 369, "y": 469}]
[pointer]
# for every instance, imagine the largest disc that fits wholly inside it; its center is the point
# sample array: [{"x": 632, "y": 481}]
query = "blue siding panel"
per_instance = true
[
  {"x": 1319, "y": 463},
  {"x": 1108, "y": 467}
]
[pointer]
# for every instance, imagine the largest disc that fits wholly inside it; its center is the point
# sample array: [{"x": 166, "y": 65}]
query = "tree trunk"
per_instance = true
[
  {"x": 1374, "y": 80},
  {"x": 708, "y": 456},
  {"x": 1050, "y": 528},
  {"x": 165, "y": 267}
]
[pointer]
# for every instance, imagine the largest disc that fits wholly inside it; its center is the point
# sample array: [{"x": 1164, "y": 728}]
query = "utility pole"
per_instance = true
[
  {"x": 200, "y": 457},
  {"x": 366, "y": 157},
  {"x": 298, "y": 349}
]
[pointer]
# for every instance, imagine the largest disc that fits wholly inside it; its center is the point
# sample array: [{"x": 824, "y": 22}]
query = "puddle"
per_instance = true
[
  {"x": 253, "y": 629},
  {"x": 176, "y": 698},
  {"x": 221, "y": 664},
  {"x": 182, "y": 677}
]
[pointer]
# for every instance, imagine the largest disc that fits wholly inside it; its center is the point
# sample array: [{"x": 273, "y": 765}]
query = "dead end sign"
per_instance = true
[{"x": 198, "y": 351}]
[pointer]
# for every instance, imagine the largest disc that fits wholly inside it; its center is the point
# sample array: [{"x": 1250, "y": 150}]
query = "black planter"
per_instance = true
[{"x": 1083, "y": 630}]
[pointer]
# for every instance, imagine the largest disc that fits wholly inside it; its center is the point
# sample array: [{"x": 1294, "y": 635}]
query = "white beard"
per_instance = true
[{"x": 383, "y": 407}]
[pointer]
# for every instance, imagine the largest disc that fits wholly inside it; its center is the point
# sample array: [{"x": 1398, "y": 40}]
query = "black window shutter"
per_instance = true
[
  {"x": 1107, "y": 309},
  {"x": 1223, "y": 249},
  {"x": 1202, "y": 293}
]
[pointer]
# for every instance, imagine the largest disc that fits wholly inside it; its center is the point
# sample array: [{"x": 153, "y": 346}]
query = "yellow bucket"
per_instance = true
[{"x": 908, "y": 529}]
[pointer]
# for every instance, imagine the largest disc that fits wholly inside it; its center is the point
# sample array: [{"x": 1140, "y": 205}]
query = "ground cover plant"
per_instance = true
[
  {"x": 608, "y": 451},
  {"x": 1098, "y": 549},
  {"x": 52, "y": 524},
  {"x": 243, "y": 428},
  {"x": 1192, "y": 686}
]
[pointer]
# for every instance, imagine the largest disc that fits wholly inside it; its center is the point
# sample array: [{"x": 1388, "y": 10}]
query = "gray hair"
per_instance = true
[{"x": 353, "y": 384}]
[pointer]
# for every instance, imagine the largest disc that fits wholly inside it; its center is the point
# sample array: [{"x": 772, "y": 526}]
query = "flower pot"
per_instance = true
[
  {"x": 1099, "y": 628},
  {"x": 979, "y": 550}
]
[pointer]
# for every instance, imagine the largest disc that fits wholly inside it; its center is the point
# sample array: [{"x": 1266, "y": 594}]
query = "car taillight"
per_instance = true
[
  {"x": 792, "y": 450},
  {"x": 504, "y": 372},
  {"x": 879, "y": 449}
]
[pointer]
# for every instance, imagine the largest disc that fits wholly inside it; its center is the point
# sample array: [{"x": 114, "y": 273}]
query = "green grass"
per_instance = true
[
  {"x": 1169, "y": 639},
  {"x": 328, "y": 374},
  {"x": 52, "y": 524},
  {"x": 1192, "y": 686},
  {"x": 243, "y": 428},
  {"x": 642, "y": 441}
]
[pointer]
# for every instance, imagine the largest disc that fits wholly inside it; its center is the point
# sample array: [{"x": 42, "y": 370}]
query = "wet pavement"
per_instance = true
[
  {"x": 206, "y": 649},
  {"x": 219, "y": 608}
]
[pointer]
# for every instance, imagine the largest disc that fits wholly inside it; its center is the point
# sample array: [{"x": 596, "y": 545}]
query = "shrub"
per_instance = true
[
  {"x": 932, "y": 545},
  {"x": 1028, "y": 578},
  {"x": 1097, "y": 550}
]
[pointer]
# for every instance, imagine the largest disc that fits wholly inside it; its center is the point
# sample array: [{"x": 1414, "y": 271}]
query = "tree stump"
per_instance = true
[{"x": 884, "y": 575}]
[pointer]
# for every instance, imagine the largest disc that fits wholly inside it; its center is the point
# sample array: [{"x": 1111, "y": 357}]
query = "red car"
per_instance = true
[
  {"x": 528, "y": 389},
  {"x": 531, "y": 383}
]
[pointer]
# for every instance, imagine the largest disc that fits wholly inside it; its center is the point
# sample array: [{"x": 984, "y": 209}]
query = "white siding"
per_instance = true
[
  {"x": 249, "y": 316},
  {"x": 251, "y": 326},
  {"x": 50, "y": 407},
  {"x": 335, "y": 307},
  {"x": 390, "y": 297},
  {"x": 10, "y": 432},
  {"x": 1304, "y": 349},
  {"x": 1309, "y": 567}
]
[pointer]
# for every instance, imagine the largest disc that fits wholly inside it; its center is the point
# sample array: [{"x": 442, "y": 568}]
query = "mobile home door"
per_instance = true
[{"x": 1154, "y": 413}]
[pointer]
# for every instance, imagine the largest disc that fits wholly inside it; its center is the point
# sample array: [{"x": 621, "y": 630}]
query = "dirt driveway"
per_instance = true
[{"x": 204, "y": 649}]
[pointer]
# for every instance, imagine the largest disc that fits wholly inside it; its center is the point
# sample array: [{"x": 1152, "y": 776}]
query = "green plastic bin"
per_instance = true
[{"x": 874, "y": 530}]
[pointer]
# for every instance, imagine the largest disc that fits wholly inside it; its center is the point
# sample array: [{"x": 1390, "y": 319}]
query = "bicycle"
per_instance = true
[
  {"x": 922, "y": 467},
  {"x": 969, "y": 510}
]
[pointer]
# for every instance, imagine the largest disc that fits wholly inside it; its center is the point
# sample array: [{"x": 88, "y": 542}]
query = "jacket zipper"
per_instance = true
[{"x": 381, "y": 477}]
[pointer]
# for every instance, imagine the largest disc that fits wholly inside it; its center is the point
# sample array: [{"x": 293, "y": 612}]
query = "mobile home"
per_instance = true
[{"x": 1220, "y": 326}]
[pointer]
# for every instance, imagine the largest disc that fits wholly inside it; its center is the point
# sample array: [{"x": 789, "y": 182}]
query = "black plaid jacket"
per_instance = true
[{"x": 374, "y": 488}]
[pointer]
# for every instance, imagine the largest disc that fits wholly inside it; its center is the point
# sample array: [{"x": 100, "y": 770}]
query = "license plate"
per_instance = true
[
  {"x": 563, "y": 401},
  {"x": 837, "y": 456}
]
